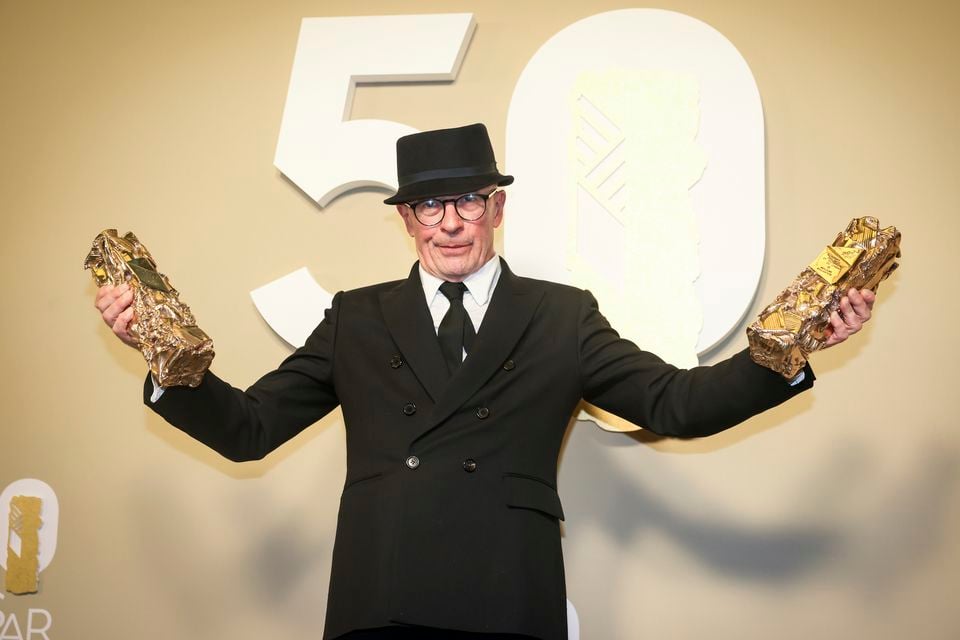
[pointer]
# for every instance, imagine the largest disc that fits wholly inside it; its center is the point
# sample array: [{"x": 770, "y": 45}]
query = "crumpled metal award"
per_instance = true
[
  {"x": 794, "y": 325},
  {"x": 176, "y": 349}
]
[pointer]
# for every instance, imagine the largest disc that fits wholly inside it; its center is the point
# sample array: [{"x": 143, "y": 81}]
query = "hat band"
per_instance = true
[{"x": 439, "y": 174}]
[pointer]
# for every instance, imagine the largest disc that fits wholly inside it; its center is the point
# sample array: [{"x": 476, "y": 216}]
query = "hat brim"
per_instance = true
[{"x": 446, "y": 186}]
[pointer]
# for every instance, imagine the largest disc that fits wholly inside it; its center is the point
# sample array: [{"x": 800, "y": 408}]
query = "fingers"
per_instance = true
[
  {"x": 838, "y": 330},
  {"x": 859, "y": 304},
  {"x": 112, "y": 301},
  {"x": 108, "y": 294},
  {"x": 116, "y": 309},
  {"x": 847, "y": 314},
  {"x": 855, "y": 308},
  {"x": 121, "y": 328}
]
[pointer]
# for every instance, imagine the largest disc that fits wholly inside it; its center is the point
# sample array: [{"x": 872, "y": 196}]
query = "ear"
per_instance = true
[
  {"x": 501, "y": 199},
  {"x": 407, "y": 216}
]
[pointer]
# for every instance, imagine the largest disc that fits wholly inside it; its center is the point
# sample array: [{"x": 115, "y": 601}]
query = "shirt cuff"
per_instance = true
[
  {"x": 158, "y": 390},
  {"x": 797, "y": 379}
]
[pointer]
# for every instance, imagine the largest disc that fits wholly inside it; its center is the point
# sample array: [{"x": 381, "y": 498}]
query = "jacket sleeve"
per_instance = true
[
  {"x": 638, "y": 386},
  {"x": 247, "y": 425}
]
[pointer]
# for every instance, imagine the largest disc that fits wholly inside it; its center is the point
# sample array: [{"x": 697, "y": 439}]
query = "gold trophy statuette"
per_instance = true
[
  {"x": 794, "y": 325},
  {"x": 176, "y": 349}
]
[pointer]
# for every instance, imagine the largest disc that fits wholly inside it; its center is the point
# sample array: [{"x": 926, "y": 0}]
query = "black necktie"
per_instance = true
[{"x": 456, "y": 332}]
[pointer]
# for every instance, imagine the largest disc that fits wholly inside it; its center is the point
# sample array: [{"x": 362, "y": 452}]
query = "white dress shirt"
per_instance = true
[{"x": 476, "y": 299}]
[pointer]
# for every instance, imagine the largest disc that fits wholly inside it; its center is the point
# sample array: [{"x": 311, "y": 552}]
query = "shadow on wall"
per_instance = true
[
  {"x": 245, "y": 556},
  {"x": 853, "y": 523},
  {"x": 904, "y": 528}
]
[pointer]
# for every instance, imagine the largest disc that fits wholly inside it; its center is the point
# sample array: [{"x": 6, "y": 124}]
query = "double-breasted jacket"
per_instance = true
[{"x": 449, "y": 515}]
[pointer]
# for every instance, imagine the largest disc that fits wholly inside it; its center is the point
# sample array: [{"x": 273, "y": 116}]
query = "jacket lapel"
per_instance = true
[
  {"x": 512, "y": 307},
  {"x": 408, "y": 320}
]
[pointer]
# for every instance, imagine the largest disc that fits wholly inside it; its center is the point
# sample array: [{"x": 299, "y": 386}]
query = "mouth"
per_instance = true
[{"x": 453, "y": 249}]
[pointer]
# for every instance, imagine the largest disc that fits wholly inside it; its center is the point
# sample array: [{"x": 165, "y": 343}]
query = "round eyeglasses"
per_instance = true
[{"x": 469, "y": 207}]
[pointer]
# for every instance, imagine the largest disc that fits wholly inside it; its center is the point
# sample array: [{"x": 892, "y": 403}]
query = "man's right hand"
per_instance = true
[{"x": 115, "y": 305}]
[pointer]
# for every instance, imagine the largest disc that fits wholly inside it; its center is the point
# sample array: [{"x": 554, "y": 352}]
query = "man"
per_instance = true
[{"x": 457, "y": 385}]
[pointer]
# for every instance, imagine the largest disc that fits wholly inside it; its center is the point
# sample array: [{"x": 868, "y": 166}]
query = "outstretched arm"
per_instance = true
[
  {"x": 620, "y": 377},
  {"x": 240, "y": 425}
]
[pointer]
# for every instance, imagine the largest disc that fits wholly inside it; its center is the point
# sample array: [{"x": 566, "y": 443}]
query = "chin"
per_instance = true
[
  {"x": 450, "y": 273},
  {"x": 454, "y": 267}
]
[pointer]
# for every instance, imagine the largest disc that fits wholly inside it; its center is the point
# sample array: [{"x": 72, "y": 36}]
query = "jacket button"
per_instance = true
[
  {"x": 412, "y": 462},
  {"x": 409, "y": 409},
  {"x": 509, "y": 365},
  {"x": 469, "y": 465},
  {"x": 483, "y": 412},
  {"x": 396, "y": 362}
]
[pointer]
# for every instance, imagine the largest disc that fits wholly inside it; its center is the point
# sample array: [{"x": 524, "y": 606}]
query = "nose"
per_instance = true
[{"x": 452, "y": 222}]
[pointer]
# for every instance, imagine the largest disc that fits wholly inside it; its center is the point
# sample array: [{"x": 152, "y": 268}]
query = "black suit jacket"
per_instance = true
[{"x": 466, "y": 535}]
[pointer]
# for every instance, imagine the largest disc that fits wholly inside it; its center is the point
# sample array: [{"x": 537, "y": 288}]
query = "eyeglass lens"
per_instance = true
[{"x": 470, "y": 207}]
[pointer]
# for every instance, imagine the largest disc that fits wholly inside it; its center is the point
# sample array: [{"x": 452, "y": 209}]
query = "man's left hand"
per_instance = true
[{"x": 855, "y": 309}]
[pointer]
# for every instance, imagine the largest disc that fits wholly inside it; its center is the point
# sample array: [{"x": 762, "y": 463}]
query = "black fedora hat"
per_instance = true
[{"x": 445, "y": 161}]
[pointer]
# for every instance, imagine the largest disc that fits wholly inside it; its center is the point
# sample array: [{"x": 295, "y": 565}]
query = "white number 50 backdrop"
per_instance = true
[{"x": 636, "y": 137}]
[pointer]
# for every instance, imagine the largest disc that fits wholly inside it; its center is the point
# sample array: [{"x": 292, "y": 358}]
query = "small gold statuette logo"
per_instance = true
[{"x": 23, "y": 545}]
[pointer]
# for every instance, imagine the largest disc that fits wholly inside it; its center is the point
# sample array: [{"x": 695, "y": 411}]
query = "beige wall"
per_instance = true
[{"x": 834, "y": 516}]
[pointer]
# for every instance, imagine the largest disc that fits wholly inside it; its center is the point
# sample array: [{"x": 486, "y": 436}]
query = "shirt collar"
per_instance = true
[{"x": 480, "y": 283}]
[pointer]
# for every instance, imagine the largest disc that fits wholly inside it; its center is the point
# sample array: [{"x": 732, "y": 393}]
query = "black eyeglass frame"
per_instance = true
[{"x": 443, "y": 202}]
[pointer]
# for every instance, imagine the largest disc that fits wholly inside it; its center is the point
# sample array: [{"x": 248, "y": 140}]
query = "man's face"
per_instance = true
[{"x": 455, "y": 248}]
